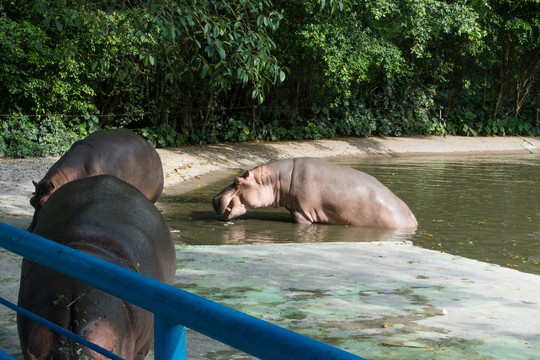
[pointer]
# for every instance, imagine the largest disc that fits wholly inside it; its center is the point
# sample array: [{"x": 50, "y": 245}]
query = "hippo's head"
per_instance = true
[
  {"x": 44, "y": 190},
  {"x": 252, "y": 190}
]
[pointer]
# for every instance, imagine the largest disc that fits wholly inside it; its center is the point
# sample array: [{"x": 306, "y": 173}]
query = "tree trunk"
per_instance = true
[{"x": 525, "y": 84}]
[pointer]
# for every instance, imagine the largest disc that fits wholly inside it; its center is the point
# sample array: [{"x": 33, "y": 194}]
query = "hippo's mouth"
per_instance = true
[
  {"x": 226, "y": 204},
  {"x": 227, "y": 212},
  {"x": 233, "y": 211},
  {"x": 223, "y": 208}
]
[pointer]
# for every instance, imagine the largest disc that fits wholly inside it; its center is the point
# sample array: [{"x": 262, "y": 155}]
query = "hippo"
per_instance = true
[
  {"x": 118, "y": 152},
  {"x": 316, "y": 191},
  {"x": 112, "y": 220}
]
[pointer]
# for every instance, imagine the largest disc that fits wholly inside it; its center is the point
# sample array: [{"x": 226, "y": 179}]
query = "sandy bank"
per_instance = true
[{"x": 185, "y": 163}]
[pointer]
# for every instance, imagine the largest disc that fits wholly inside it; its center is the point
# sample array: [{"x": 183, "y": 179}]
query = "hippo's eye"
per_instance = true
[{"x": 237, "y": 181}]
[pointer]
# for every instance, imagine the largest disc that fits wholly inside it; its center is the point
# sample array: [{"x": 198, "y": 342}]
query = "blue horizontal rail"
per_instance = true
[{"x": 172, "y": 307}]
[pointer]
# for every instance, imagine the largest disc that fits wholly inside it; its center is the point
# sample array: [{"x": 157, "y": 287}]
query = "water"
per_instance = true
[
  {"x": 481, "y": 207},
  {"x": 484, "y": 208}
]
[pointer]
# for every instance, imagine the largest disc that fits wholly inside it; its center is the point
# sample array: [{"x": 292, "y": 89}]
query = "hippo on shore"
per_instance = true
[
  {"x": 109, "y": 219},
  {"x": 316, "y": 191},
  {"x": 118, "y": 152}
]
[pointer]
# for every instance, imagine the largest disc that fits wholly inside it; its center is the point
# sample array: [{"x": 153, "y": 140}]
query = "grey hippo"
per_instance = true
[
  {"x": 316, "y": 191},
  {"x": 118, "y": 152},
  {"x": 112, "y": 220}
]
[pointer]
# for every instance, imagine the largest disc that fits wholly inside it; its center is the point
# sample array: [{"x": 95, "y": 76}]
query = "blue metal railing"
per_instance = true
[
  {"x": 173, "y": 308},
  {"x": 5, "y": 356}
]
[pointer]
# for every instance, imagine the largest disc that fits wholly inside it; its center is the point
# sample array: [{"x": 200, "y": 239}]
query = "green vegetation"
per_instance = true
[{"x": 208, "y": 71}]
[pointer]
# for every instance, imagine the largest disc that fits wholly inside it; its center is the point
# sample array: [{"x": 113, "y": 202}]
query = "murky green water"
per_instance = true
[{"x": 482, "y": 207}]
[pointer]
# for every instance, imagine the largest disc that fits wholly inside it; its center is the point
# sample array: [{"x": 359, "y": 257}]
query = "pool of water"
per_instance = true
[{"x": 481, "y": 207}]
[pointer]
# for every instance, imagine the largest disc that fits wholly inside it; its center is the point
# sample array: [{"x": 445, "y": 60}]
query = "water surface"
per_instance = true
[{"x": 481, "y": 207}]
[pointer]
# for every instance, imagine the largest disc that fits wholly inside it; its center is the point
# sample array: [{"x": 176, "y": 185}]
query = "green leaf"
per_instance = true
[
  {"x": 58, "y": 299},
  {"x": 204, "y": 71},
  {"x": 222, "y": 53},
  {"x": 58, "y": 24},
  {"x": 82, "y": 131}
]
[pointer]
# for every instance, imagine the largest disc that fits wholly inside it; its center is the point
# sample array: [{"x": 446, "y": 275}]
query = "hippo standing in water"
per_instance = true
[
  {"x": 118, "y": 152},
  {"x": 316, "y": 191},
  {"x": 109, "y": 219}
]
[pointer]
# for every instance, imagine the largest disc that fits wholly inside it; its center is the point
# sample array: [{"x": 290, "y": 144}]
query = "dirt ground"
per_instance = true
[{"x": 199, "y": 165}]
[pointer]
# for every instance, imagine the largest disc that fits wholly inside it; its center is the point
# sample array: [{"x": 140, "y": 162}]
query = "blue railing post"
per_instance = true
[{"x": 169, "y": 340}]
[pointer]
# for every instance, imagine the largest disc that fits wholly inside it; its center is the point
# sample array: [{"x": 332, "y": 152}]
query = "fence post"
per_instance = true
[{"x": 169, "y": 340}]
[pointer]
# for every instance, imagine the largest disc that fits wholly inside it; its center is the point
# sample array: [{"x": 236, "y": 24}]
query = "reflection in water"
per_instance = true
[
  {"x": 242, "y": 233},
  {"x": 263, "y": 226},
  {"x": 486, "y": 208}
]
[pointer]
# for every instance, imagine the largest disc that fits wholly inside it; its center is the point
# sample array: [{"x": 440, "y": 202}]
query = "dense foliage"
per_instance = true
[{"x": 208, "y": 71}]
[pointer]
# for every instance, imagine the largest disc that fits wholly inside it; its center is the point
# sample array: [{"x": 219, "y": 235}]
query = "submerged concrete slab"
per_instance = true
[{"x": 377, "y": 300}]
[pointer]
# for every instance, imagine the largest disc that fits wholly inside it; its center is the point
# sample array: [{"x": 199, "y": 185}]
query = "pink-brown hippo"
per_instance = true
[
  {"x": 118, "y": 152},
  {"x": 316, "y": 191},
  {"x": 109, "y": 219}
]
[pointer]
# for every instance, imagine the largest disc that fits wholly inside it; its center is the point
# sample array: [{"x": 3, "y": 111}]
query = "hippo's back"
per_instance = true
[
  {"x": 109, "y": 219},
  {"x": 351, "y": 196},
  {"x": 111, "y": 213},
  {"x": 126, "y": 155}
]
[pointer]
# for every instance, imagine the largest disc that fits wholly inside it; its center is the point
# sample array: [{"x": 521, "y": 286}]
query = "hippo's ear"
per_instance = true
[
  {"x": 40, "y": 343},
  {"x": 35, "y": 183},
  {"x": 246, "y": 174}
]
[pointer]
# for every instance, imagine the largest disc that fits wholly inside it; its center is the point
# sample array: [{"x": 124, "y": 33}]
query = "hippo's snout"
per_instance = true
[
  {"x": 222, "y": 206},
  {"x": 222, "y": 200},
  {"x": 218, "y": 208}
]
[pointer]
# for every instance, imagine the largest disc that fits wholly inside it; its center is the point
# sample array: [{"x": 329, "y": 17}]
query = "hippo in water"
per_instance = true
[
  {"x": 109, "y": 219},
  {"x": 316, "y": 191},
  {"x": 118, "y": 152}
]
